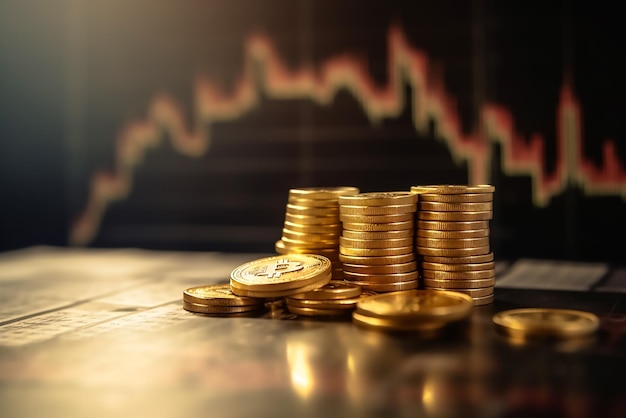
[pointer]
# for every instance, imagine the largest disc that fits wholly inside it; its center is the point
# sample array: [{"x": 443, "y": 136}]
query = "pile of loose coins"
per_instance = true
[
  {"x": 452, "y": 239},
  {"x": 395, "y": 261}
]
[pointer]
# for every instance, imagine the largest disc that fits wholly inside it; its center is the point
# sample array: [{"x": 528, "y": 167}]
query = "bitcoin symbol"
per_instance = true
[{"x": 279, "y": 267}]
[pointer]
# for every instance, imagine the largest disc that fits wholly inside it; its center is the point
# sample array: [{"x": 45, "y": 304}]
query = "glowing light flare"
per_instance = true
[{"x": 265, "y": 71}]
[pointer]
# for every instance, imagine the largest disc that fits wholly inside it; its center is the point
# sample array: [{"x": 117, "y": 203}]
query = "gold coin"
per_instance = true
[
  {"x": 379, "y": 227},
  {"x": 375, "y": 252},
  {"x": 473, "y": 293},
  {"x": 318, "y": 312},
  {"x": 546, "y": 322},
  {"x": 451, "y": 242},
  {"x": 483, "y": 300},
  {"x": 375, "y": 243},
  {"x": 217, "y": 309},
  {"x": 309, "y": 237},
  {"x": 365, "y": 235},
  {"x": 456, "y": 198},
  {"x": 381, "y": 278},
  {"x": 335, "y": 289},
  {"x": 314, "y": 203},
  {"x": 323, "y": 192},
  {"x": 458, "y": 275},
  {"x": 217, "y": 294},
  {"x": 490, "y": 265},
  {"x": 292, "y": 243},
  {"x": 377, "y": 210},
  {"x": 277, "y": 293},
  {"x": 315, "y": 229},
  {"x": 454, "y": 216},
  {"x": 330, "y": 253},
  {"x": 311, "y": 220},
  {"x": 452, "y": 225},
  {"x": 379, "y": 199},
  {"x": 384, "y": 269},
  {"x": 459, "y": 284},
  {"x": 377, "y": 260},
  {"x": 469, "y": 233},
  {"x": 456, "y": 207},
  {"x": 312, "y": 211},
  {"x": 395, "y": 325},
  {"x": 424, "y": 305},
  {"x": 453, "y": 189},
  {"x": 469, "y": 259},
  {"x": 452, "y": 252},
  {"x": 377, "y": 219},
  {"x": 388, "y": 287},
  {"x": 281, "y": 272},
  {"x": 349, "y": 303}
]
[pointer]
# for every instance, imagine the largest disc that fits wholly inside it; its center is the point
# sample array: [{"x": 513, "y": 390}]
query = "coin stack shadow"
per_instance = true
[
  {"x": 376, "y": 243},
  {"x": 452, "y": 239},
  {"x": 312, "y": 224}
]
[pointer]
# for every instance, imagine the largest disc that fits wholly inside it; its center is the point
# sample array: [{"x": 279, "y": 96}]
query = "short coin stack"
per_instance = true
[
  {"x": 337, "y": 298},
  {"x": 280, "y": 276},
  {"x": 376, "y": 243},
  {"x": 452, "y": 239},
  {"x": 312, "y": 223},
  {"x": 218, "y": 299},
  {"x": 412, "y": 310}
]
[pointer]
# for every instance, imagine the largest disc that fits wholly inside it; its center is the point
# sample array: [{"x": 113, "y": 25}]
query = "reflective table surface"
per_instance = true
[{"x": 103, "y": 333}]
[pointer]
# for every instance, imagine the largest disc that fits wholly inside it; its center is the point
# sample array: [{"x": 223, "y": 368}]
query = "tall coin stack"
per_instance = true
[
  {"x": 452, "y": 239},
  {"x": 312, "y": 224},
  {"x": 376, "y": 244}
]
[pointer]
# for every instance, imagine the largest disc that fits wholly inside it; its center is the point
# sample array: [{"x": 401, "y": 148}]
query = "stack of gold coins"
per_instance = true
[
  {"x": 280, "y": 276},
  {"x": 337, "y": 298},
  {"x": 412, "y": 310},
  {"x": 376, "y": 243},
  {"x": 452, "y": 239},
  {"x": 218, "y": 299},
  {"x": 312, "y": 223}
]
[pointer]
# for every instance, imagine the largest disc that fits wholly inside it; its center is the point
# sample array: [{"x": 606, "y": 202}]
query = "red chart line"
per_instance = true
[{"x": 406, "y": 66}]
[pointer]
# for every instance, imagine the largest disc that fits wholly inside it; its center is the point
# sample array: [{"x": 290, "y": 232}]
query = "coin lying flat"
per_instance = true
[
  {"x": 323, "y": 192},
  {"x": 217, "y": 309},
  {"x": 546, "y": 322},
  {"x": 217, "y": 295},
  {"x": 453, "y": 189}
]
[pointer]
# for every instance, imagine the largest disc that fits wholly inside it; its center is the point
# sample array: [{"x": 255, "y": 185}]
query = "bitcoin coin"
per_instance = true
[
  {"x": 453, "y": 189},
  {"x": 458, "y": 266},
  {"x": 452, "y": 252},
  {"x": 323, "y": 192},
  {"x": 469, "y": 259},
  {"x": 377, "y": 260},
  {"x": 425, "y": 305},
  {"x": 378, "y": 227},
  {"x": 375, "y": 243},
  {"x": 454, "y": 216},
  {"x": 546, "y": 322},
  {"x": 379, "y": 199},
  {"x": 278, "y": 293},
  {"x": 281, "y": 272},
  {"x": 386, "y": 268},
  {"x": 469, "y": 233},
  {"x": 376, "y": 210},
  {"x": 458, "y": 275},
  {"x": 217, "y": 309},
  {"x": 455, "y": 207},
  {"x": 365, "y": 235},
  {"x": 456, "y": 198},
  {"x": 452, "y": 242},
  {"x": 333, "y": 290},
  {"x": 217, "y": 294},
  {"x": 375, "y": 252},
  {"x": 452, "y": 225}
]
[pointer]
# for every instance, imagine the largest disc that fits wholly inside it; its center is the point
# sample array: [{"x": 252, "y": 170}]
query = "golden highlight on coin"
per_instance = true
[{"x": 546, "y": 322}]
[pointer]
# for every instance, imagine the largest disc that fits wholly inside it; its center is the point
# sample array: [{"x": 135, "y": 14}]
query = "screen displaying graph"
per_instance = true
[{"x": 187, "y": 124}]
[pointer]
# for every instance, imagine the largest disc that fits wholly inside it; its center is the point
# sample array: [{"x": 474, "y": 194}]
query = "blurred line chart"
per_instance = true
[{"x": 266, "y": 74}]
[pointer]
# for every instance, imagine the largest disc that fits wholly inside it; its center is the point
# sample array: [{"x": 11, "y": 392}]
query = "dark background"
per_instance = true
[{"x": 75, "y": 76}]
